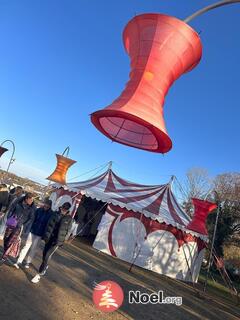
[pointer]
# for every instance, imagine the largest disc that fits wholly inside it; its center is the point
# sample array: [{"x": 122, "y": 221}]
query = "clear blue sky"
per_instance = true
[{"x": 60, "y": 60}]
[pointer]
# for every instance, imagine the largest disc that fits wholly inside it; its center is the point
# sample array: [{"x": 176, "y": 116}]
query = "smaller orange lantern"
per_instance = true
[
  {"x": 63, "y": 164},
  {"x": 2, "y": 150}
]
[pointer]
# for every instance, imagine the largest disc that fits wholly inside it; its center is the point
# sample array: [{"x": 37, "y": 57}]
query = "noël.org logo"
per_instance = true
[
  {"x": 108, "y": 297},
  {"x": 153, "y": 298}
]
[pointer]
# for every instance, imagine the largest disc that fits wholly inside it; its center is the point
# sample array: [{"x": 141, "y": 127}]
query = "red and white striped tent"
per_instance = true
[{"x": 143, "y": 224}]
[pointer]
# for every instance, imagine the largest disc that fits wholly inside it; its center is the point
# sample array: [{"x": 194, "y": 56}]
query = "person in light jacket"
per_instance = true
[{"x": 42, "y": 216}]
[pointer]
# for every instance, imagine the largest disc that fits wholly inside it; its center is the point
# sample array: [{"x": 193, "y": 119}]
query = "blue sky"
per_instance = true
[{"x": 61, "y": 60}]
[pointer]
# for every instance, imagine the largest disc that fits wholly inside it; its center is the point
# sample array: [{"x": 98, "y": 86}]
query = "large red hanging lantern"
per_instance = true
[
  {"x": 63, "y": 164},
  {"x": 202, "y": 208},
  {"x": 161, "y": 49},
  {"x": 2, "y": 151}
]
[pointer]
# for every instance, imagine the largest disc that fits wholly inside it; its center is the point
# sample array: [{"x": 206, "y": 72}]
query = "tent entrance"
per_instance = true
[{"x": 88, "y": 217}]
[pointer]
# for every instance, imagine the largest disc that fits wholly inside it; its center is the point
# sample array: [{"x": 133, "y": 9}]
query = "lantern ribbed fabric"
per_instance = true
[
  {"x": 161, "y": 49},
  {"x": 2, "y": 150},
  {"x": 59, "y": 174},
  {"x": 202, "y": 209}
]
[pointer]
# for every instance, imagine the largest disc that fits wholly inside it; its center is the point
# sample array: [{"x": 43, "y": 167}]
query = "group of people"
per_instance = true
[{"x": 21, "y": 219}]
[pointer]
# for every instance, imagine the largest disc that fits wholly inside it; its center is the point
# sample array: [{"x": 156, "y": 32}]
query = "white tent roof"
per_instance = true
[{"x": 153, "y": 201}]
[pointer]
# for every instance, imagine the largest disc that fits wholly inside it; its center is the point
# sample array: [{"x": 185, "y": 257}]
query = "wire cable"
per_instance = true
[{"x": 101, "y": 166}]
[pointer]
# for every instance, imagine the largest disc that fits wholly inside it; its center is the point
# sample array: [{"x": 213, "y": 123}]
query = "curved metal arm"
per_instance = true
[
  {"x": 210, "y": 7},
  {"x": 11, "y": 159},
  {"x": 66, "y": 151}
]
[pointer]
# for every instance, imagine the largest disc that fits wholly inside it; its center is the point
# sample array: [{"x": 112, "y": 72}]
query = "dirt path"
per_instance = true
[{"x": 66, "y": 291}]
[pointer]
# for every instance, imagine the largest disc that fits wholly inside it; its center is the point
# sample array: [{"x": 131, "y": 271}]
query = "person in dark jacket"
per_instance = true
[
  {"x": 77, "y": 220},
  {"x": 57, "y": 228},
  {"x": 42, "y": 216},
  {"x": 21, "y": 216},
  {"x": 14, "y": 196},
  {"x": 4, "y": 194}
]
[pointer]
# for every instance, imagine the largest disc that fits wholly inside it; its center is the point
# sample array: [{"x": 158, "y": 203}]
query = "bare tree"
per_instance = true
[
  {"x": 197, "y": 185},
  {"x": 227, "y": 186}
]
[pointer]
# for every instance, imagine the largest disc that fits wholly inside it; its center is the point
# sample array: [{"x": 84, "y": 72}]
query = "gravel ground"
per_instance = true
[{"x": 66, "y": 291}]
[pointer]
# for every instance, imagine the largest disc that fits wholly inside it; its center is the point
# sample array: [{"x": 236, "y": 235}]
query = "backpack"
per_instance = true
[{"x": 12, "y": 222}]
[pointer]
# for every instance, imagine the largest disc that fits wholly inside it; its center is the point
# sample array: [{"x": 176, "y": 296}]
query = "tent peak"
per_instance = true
[{"x": 110, "y": 163}]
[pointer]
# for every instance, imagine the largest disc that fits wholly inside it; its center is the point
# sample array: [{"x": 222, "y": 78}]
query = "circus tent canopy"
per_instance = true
[{"x": 156, "y": 202}]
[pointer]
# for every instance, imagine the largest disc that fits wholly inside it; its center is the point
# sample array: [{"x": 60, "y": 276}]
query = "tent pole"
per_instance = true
[
  {"x": 212, "y": 246},
  {"x": 110, "y": 163}
]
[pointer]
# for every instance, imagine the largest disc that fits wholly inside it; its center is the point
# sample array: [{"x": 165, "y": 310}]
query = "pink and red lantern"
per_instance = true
[
  {"x": 202, "y": 208},
  {"x": 161, "y": 48}
]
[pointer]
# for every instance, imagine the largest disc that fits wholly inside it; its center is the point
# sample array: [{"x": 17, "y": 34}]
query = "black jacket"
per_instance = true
[
  {"x": 3, "y": 199},
  {"x": 13, "y": 200},
  {"x": 40, "y": 222},
  {"x": 80, "y": 214},
  {"x": 24, "y": 214},
  {"x": 57, "y": 228}
]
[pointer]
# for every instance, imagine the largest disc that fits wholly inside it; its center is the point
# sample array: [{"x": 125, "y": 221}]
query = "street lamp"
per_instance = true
[
  {"x": 13, "y": 151},
  {"x": 208, "y": 8}
]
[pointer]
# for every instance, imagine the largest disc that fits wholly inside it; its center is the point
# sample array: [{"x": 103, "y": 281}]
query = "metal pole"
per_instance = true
[
  {"x": 66, "y": 151},
  {"x": 212, "y": 245},
  {"x": 110, "y": 163},
  {"x": 11, "y": 160},
  {"x": 210, "y": 7}
]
